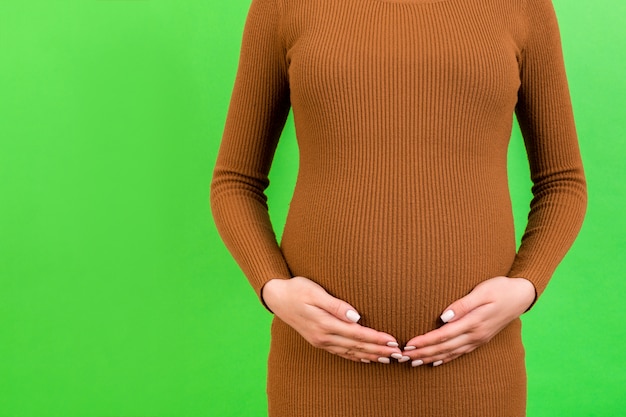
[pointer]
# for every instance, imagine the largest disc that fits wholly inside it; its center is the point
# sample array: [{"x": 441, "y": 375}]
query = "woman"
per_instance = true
[{"x": 397, "y": 288}]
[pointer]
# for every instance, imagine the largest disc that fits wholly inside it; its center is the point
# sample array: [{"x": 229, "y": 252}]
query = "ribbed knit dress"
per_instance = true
[{"x": 403, "y": 112}]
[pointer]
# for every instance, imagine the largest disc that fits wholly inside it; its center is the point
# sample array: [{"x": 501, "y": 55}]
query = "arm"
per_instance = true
[
  {"x": 258, "y": 109},
  {"x": 556, "y": 212},
  {"x": 546, "y": 119},
  {"x": 257, "y": 114}
]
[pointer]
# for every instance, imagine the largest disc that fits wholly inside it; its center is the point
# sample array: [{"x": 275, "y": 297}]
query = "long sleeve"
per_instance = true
[
  {"x": 257, "y": 113},
  {"x": 546, "y": 120}
]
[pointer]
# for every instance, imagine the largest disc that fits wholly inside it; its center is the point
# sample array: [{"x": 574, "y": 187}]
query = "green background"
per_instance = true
[{"x": 117, "y": 297}]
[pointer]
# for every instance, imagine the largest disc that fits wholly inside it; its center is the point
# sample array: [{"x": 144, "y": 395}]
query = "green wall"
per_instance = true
[{"x": 117, "y": 297}]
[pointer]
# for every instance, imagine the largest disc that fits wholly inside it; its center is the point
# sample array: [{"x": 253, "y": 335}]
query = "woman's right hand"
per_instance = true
[{"x": 327, "y": 322}]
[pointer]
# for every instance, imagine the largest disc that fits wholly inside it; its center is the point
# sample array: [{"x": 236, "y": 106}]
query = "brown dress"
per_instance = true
[{"x": 403, "y": 113}]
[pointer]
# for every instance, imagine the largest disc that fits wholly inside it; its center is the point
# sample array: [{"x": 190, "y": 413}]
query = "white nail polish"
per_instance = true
[
  {"x": 417, "y": 362},
  {"x": 353, "y": 316},
  {"x": 396, "y": 356},
  {"x": 437, "y": 363},
  {"x": 365, "y": 361},
  {"x": 392, "y": 344},
  {"x": 410, "y": 348},
  {"x": 404, "y": 359},
  {"x": 383, "y": 360},
  {"x": 447, "y": 316}
]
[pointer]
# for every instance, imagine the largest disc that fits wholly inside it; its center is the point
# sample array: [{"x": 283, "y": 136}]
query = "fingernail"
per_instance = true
[
  {"x": 396, "y": 356},
  {"x": 353, "y": 316},
  {"x": 437, "y": 363},
  {"x": 447, "y": 316},
  {"x": 404, "y": 359},
  {"x": 383, "y": 360},
  {"x": 410, "y": 348},
  {"x": 417, "y": 362},
  {"x": 392, "y": 344},
  {"x": 365, "y": 360}
]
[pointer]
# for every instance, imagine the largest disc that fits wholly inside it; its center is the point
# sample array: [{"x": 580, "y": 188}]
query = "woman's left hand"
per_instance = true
[{"x": 472, "y": 321}]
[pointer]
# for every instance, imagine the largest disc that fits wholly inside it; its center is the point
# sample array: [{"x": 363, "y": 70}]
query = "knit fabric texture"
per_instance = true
[{"x": 403, "y": 112}]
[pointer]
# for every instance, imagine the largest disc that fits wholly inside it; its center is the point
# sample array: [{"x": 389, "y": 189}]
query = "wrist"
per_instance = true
[
  {"x": 271, "y": 292},
  {"x": 526, "y": 290}
]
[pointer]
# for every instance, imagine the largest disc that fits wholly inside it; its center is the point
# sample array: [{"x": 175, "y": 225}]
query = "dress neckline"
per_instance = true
[{"x": 410, "y": 1}]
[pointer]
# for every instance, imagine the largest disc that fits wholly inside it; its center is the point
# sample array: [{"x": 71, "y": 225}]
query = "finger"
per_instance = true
[
  {"x": 442, "y": 345},
  {"x": 438, "y": 360},
  {"x": 353, "y": 335},
  {"x": 338, "y": 308},
  {"x": 369, "y": 352},
  {"x": 352, "y": 358},
  {"x": 445, "y": 357},
  {"x": 463, "y": 306},
  {"x": 348, "y": 314},
  {"x": 369, "y": 335},
  {"x": 472, "y": 323},
  {"x": 439, "y": 336},
  {"x": 339, "y": 337},
  {"x": 434, "y": 353}
]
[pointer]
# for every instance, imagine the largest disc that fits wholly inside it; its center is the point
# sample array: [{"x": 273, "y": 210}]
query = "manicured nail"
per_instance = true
[
  {"x": 417, "y": 362},
  {"x": 392, "y": 344},
  {"x": 410, "y": 348},
  {"x": 396, "y": 356},
  {"x": 437, "y": 363},
  {"x": 404, "y": 359},
  {"x": 447, "y": 316},
  {"x": 383, "y": 360},
  {"x": 353, "y": 316},
  {"x": 365, "y": 360}
]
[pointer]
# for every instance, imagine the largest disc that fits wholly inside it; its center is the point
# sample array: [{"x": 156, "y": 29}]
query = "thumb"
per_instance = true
[
  {"x": 461, "y": 307},
  {"x": 339, "y": 309}
]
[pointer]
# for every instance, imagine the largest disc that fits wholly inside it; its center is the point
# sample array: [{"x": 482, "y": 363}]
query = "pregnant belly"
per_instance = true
[{"x": 399, "y": 271}]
